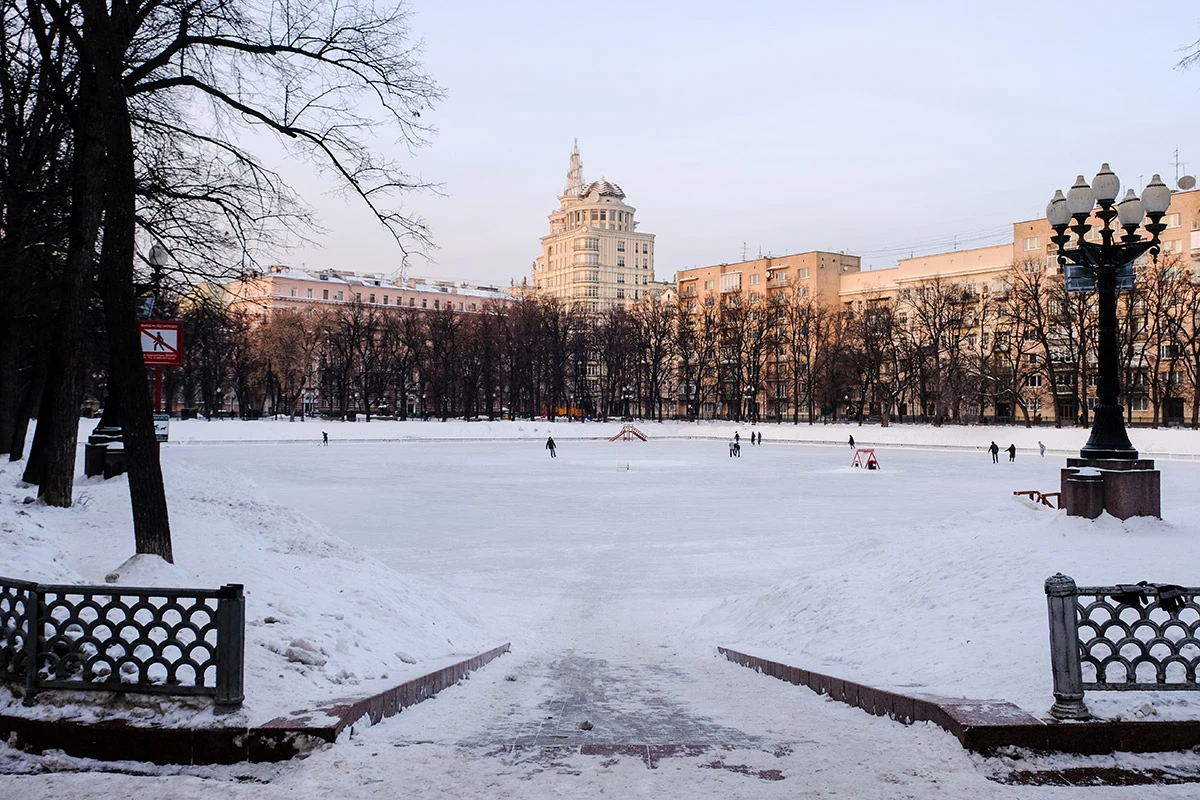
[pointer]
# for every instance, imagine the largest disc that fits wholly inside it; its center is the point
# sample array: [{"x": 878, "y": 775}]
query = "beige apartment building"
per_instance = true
[
  {"x": 815, "y": 274},
  {"x": 594, "y": 257},
  {"x": 289, "y": 288},
  {"x": 836, "y": 280}
]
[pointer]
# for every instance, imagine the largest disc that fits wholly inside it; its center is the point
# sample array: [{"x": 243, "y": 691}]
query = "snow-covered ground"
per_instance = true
[{"x": 416, "y": 541}]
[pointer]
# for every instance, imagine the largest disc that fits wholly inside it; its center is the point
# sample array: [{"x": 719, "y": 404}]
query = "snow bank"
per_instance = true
[{"x": 323, "y": 620}]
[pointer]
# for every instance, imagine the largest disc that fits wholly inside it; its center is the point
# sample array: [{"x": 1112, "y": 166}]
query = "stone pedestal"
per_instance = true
[{"x": 1123, "y": 487}]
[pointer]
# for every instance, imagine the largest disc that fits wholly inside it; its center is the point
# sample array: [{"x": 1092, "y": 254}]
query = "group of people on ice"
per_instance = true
[
  {"x": 735, "y": 447},
  {"x": 1012, "y": 452}
]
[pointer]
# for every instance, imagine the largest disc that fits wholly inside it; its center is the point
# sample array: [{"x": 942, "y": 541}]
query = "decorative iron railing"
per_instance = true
[
  {"x": 124, "y": 639},
  {"x": 1140, "y": 637}
]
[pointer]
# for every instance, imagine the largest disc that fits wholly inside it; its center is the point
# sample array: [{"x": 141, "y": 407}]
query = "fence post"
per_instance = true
[
  {"x": 33, "y": 641},
  {"x": 1064, "y": 649},
  {"x": 231, "y": 647}
]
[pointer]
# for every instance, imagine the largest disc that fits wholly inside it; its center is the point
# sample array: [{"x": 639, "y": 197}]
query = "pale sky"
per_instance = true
[{"x": 877, "y": 128}]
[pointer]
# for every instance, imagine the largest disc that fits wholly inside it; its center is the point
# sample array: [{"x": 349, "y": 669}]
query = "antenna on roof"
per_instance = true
[{"x": 743, "y": 251}]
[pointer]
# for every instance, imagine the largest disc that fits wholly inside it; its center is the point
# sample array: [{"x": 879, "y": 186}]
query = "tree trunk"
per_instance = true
[
  {"x": 127, "y": 379},
  {"x": 62, "y": 393}
]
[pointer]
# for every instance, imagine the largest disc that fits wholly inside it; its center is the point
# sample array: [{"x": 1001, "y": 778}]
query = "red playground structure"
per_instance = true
[
  {"x": 864, "y": 458},
  {"x": 629, "y": 433}
]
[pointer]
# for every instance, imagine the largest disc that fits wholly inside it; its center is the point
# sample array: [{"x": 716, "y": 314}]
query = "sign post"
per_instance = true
[{"x": 162, "y": 346}]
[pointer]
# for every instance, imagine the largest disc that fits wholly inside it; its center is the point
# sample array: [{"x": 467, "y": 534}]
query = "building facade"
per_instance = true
[
  {"x": 594, "y": 257},
  {"x": 289, "y": 288},
  {"x": 991, "y": 330}
]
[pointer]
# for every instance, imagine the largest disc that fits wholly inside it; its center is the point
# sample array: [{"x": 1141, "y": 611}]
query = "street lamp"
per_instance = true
[
  {"x": 1126, "y": 486},
  {"x": 627, "y": 396},
  {"x": 1100, "y": 266}
]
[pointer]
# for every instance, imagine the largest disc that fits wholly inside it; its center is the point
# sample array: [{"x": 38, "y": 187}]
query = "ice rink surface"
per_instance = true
[{"x": 615, "y": 585}]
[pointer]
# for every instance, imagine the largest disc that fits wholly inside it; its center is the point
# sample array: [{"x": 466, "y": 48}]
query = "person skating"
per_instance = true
[
  {"x": 732, "y": 447},
  {"x": 995, "y": 451},
  {"x": 550, "y": 446},
  {"x": 851, "y": 441},
  {"x": 324, "y": 439},
  {"x": 1042, "y": 449},
  {"x": 737, "y": 439},
  {"x": 1012, "y": 452}
]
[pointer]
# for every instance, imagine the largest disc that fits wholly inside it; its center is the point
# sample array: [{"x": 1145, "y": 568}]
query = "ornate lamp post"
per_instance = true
[
  {"x": 1098, "y": 266},
  {"x": 1106, "y": 266}
]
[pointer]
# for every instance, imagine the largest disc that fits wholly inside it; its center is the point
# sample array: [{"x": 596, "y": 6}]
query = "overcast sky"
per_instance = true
[{"x": 877, "y": 128}]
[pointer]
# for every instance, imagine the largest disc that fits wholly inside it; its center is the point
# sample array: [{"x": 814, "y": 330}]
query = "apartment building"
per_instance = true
[
  {"x": 283, "y": 287},
  {"x": 982, "y": 278},
  {"x": 816, "y": 274},
  {"x": 594, "y": 256}
]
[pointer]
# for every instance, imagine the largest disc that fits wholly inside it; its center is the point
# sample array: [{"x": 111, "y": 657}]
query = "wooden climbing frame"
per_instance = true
[{"x": 629, "y": 433}]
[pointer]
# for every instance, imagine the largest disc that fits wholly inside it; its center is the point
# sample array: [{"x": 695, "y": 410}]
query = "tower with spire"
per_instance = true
[
  {"x": 594, "y": 257},
  {"x": 574, "y": 174}
]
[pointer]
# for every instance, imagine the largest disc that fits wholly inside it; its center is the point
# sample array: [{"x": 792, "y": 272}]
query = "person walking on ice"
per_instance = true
[
  {"x": 851, "y": 441},
  {"x": 1012, "y": 452},
  {"x": 1042, "y": 449},
  {"x": 324, "y": 439},
  {"x": 550, "y": 446},
  {"x": 995, "y": 451}
]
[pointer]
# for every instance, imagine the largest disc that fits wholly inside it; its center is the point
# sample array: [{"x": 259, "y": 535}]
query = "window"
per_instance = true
[
  {"x": 731, "y": 282},
  {"x": 324, "y": 294},
  {"x": 424, "y": 302},
  {"x": 620, "y": 278},
  {"x": 472, "y": 307},
  {"x": 372, "y": 296},
  {"x": 385, "y": 299},
  {"x": 1033, "y": 243},
  {"x": 1033, "y": 267},
  {"x": 358, "y": 297},
  {"x": 645, "y": 247},
  {"x": 754, "y": 279},
  {"x": 437, "y": 303},
  {"x": 620, "y": 247},
  {"x": 620, "y": 294},
  {"x": 1031, "y": 335},
  {"x": 1173, "y": 376},
  {"x": 1140, "y": 403},
  {"x": 310, "y": 294},
  {"x": 293, "y": 291},
  {"x": 1172, "y": 245},
  {"x": 339, "y": 295},
  {"x": 972, "y": 340},
  {"x": 1033, "y": 381},
  {"x": 620, "y": 261},
  {"x": 803, "y": 273},
  {"x": 460, "y": 306},
  {"x": 412, "y": 301},
  {"x": 595, "y": 215},
  {"x": 1168, "y": 351},
  {"x": 753, "y": 296},
  {"x": 803, "y": 292},
  {"x": 708, "y": 284},
  {"x": 592, "y": 291},
  {"x": 1171, "y": 221}
]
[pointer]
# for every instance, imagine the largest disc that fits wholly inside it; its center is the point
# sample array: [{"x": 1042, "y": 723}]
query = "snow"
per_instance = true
[
  {"x": 317, "y": 628},
  {"x": 408, "y": 541}
]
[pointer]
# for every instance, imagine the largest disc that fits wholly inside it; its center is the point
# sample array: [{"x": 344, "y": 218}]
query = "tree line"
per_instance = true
[{"x": 1017, "y": 349}]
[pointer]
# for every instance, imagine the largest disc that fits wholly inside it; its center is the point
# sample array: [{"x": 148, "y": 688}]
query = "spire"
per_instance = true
[{"x": 575, "y": 173}]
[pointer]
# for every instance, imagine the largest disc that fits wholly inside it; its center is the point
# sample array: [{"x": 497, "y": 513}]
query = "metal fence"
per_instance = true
[
  {"x": 124, "y": 639},
  {"x": 1141, "y": 637}
]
